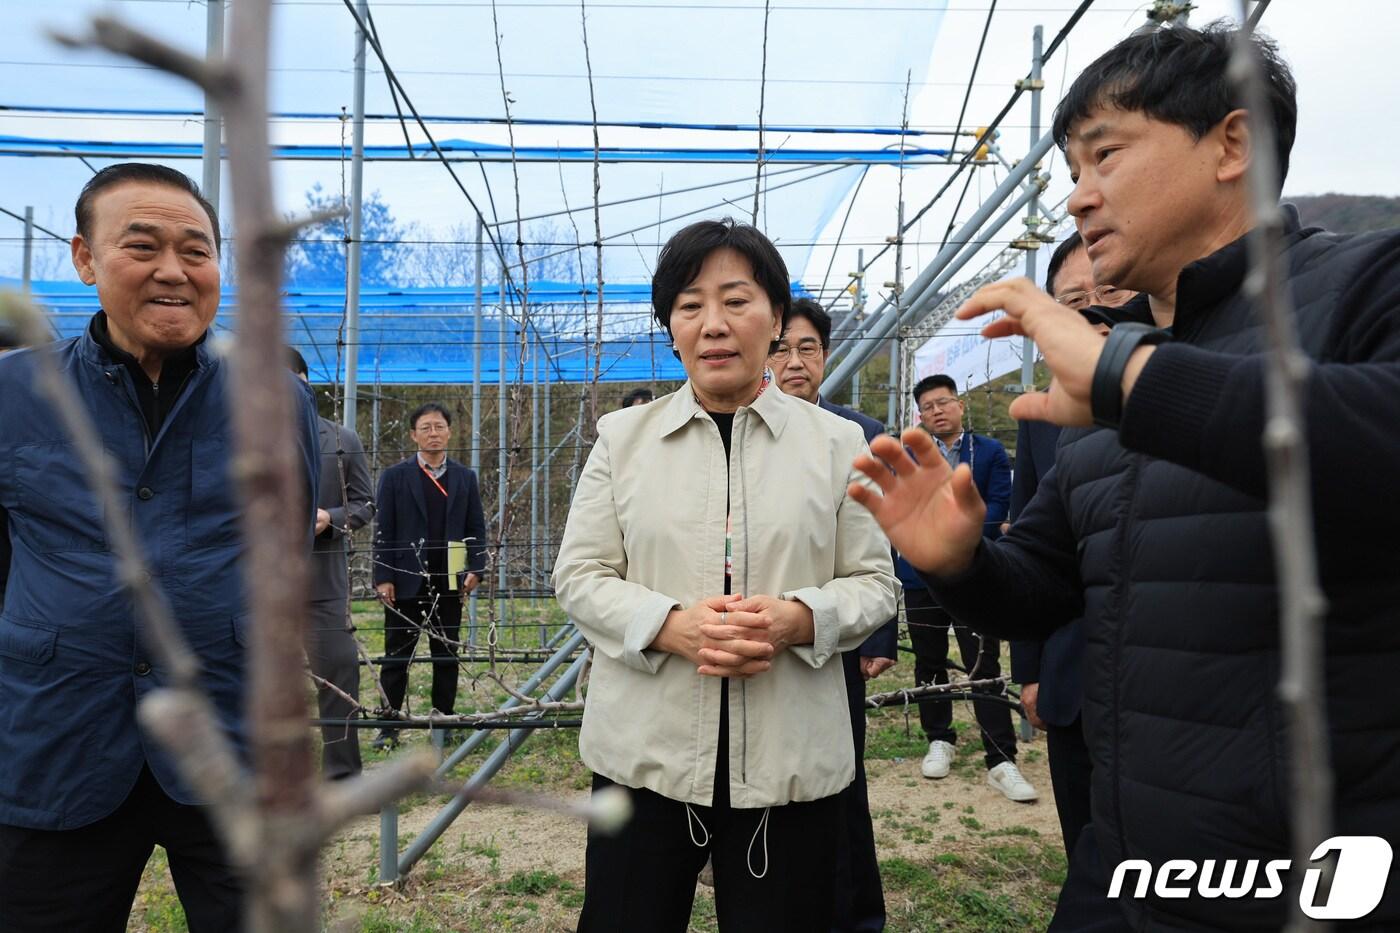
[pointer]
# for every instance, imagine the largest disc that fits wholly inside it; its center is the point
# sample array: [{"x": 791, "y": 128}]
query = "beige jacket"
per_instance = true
[{"x": 645, "y": 535}]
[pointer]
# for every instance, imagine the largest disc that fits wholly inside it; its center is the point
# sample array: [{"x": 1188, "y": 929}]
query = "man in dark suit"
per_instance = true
[
  {"x": 428, "y": 504},
  {"x": 345, "y": 504},
  {"x": 798, "y": 365},
  {"x": 1051, "y": 672}
]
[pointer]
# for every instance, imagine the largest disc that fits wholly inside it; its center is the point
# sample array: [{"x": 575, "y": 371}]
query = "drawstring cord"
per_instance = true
[
  {"x": 692, "y": 819},
  {"x": 748, "y": 856}
]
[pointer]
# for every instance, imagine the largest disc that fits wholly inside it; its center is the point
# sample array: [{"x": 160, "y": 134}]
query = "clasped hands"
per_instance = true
[{"x": 735, "y": 636}]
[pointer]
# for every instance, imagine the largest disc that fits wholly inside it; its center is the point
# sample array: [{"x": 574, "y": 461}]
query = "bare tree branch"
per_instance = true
[
  {"x": 1302, "y": 686},
  {"x": 112, "y": 34}
]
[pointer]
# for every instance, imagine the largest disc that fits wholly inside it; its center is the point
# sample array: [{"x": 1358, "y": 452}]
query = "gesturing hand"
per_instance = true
[
  {"x": 932, "y": 514},
  {"x": 1070, "y": 344}
]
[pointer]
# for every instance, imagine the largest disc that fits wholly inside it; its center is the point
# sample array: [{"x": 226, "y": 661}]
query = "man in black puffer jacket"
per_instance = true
[{"x": 1153, "y": 525}]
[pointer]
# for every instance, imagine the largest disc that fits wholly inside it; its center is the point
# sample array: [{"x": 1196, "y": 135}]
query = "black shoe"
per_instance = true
[{"x": 386, "y": 739}]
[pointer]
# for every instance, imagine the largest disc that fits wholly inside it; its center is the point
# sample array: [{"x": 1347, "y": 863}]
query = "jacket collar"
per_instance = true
[
  {"x": 1204, "y": 284},
  {"x": 681, "y": 407},
  {"x": 94, "y": 352}
]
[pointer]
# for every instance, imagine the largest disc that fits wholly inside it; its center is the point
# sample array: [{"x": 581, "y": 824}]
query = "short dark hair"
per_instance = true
[
  {"x": 937, "y": 381},
  {"x": 149, "y": 173},
  {"x": 1057, "y": 259},
  {"x": 684, "y": 254},
  {"x": 635, "y": 396},
  {"x": 297, "y": 363},
  {"x": 424, "y": 409},
  {"x": 1179, "y": 75},
  {"x": 806, "y": 307}
]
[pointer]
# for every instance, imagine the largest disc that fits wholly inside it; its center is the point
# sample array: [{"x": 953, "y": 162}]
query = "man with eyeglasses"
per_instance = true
[
  {"x": 941, "y": 415},
  {"x": 427, "y": 504},
  {"x": 799, "y": 365}
]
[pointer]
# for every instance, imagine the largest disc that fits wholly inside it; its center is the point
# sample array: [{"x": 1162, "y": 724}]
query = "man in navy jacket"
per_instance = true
[
  {"x": 798, "y": 364},
  {"x": 941, "y": 415},
  {"x": 424, "y": 503},
  {"x": 85, "y": 795}
]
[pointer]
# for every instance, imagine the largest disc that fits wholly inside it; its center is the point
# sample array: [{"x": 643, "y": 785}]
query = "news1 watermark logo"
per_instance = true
[{"x": 1358, "y": 880}]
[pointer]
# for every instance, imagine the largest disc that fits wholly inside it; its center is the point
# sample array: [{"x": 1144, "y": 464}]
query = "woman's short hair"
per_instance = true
[{"x": 684, "y": 254}]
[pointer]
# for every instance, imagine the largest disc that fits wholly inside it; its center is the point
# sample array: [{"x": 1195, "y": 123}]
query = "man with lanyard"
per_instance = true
[
  {"x": 941, "y": 415},
  {"x": 427, "y": 504}
]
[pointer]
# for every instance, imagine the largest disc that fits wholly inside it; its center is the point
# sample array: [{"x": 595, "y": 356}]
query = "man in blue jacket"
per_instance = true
[
  {"x": 424, "y": 503},
  {"x": 798, "y": 364},
  {"x": 941, "y": 414},
  {"x": 85, "y": 795}
]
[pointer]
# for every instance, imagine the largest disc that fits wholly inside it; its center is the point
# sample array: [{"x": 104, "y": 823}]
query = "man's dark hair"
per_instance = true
[
  {"x": 1179, "y": 75},
  {"x": 938, "y": 381},
  {"x": 297, "y": 363},
  {"x": 806, "y": 307},
  {"x": 1057, "y": 259},
  {"x": 635, "y": 396},
  {"x": 124, "y": 172},
  {"x": 423, "y": 409},
  {"x": 684, "y": 254}
]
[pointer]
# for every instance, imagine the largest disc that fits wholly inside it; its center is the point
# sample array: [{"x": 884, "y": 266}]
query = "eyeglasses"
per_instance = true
[
  {"x": 1105, "y": 296},
  {"x": 939, "y": 403},
  {"x": 806, "y": 351}
]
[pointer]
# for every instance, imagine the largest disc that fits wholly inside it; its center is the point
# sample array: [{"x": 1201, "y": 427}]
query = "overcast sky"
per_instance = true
[{"x": 832, "y": 62}]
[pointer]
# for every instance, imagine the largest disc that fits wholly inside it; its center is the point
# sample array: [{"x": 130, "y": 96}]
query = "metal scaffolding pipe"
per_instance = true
[
  {"x": 1032, "y": 223},
  {"x": 931, "y": 298},
  {"x": 352, "y": 257},
  {"x": 866, "y": 340},
  {"x": 484, "y": 774},
  {"x": 213, "y": 118},
  {"x": 27, "y": 260},
  {"x": 478, "y": 320},
  {"x": 548, "y": 667}
]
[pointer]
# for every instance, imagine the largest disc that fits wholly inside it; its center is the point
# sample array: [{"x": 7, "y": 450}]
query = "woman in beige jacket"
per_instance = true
[{"x": 717, "y": 566}]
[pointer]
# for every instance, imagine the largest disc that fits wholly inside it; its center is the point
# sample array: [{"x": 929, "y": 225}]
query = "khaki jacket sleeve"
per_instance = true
[
  {"x": 864, "y": 593},
  {"x": 618, "y": 617}
]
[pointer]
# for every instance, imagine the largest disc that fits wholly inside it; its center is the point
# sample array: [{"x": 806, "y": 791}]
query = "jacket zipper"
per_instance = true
[
  {"x": 744, "y": 684},
  {"x": 1114, "y": 612}
]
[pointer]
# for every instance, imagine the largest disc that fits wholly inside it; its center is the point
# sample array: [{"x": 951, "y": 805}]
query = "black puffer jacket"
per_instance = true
[{"x": 1159, "y": 536}]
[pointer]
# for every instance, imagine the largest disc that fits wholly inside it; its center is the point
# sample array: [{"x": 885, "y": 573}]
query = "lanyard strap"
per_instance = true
[{"x": 429, "y": 475}]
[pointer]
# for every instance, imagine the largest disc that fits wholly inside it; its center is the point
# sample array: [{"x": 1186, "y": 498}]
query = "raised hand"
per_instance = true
[
  {"x": 1070, "y": 344},
  {"x": 933, "y": 515}
]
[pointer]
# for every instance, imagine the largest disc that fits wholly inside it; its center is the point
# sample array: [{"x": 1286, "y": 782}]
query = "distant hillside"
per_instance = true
[{"x": 1348, "y": 213}]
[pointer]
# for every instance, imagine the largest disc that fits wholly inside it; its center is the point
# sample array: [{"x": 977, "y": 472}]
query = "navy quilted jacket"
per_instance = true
[{"x": 1159, "y": 537}]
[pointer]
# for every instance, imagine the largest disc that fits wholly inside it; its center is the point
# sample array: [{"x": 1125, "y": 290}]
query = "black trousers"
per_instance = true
[
  {"x": 331, "y": 651},
  {"x": 642, "y": 880},
  {"x": 438, "y": 611},
  {"x": 928, "y": 630},
  {"x": 1070, "y": 768},
  {"x": 84, "y": 880},
  {"x": 1084, "y": 906},
  {"x": 860, "y": 898}
]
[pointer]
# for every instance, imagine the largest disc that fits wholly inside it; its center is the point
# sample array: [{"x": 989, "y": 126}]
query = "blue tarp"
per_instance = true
[
  {"x": 464, "y": 150},
  {"x": 425, "y": 336}
]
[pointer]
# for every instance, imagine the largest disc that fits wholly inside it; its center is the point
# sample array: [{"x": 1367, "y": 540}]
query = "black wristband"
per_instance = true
[{"x": 1106, "y": 390}]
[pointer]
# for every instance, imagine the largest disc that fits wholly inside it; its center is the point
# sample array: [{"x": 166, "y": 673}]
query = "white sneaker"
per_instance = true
[
  {"x": 1006, "y": 777},
  {"x": 938, "y": 760}
]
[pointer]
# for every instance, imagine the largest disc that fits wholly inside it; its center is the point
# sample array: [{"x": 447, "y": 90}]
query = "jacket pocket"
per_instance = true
[
  {"x": 212, "y": 513},
  {"x": 57, "y": 509},
  {"x": 27, "y": 641}
]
